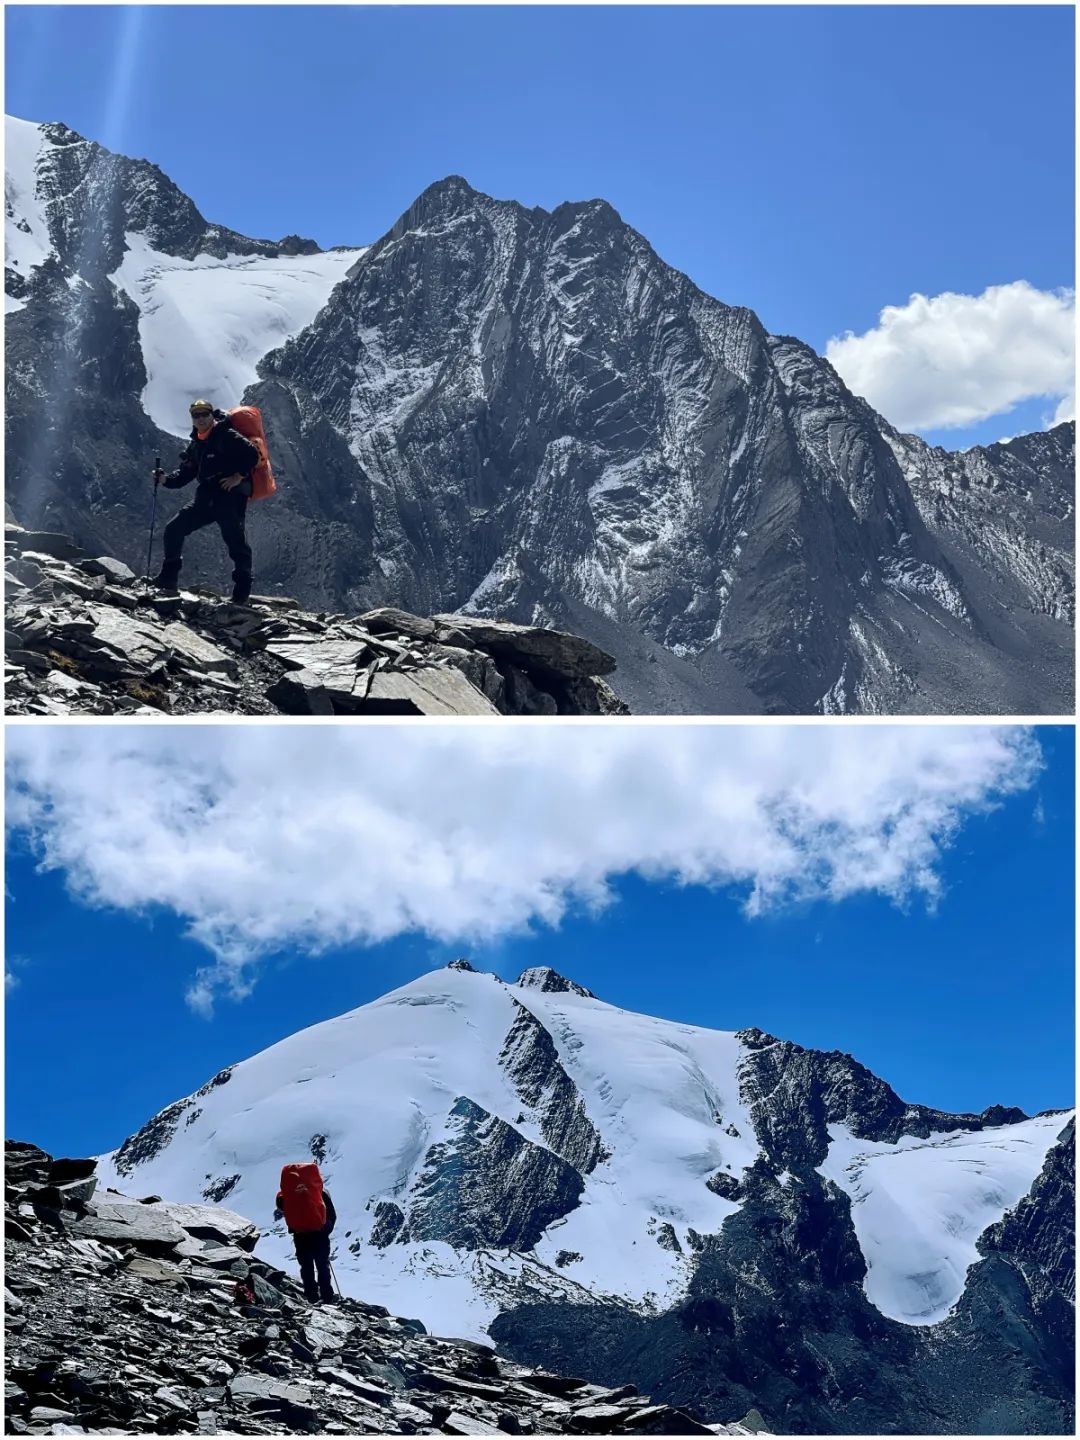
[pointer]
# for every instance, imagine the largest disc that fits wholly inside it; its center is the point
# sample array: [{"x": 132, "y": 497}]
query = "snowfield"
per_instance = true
[
  {"x": 205, "y": 324},
  {"x": 26, "y": 229},
  {"x": 920, "y": 1205}
]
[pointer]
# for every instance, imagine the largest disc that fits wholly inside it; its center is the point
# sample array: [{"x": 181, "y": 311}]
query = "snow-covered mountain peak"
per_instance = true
[
  {"x": 542, "y": 977},
  {"x": 488, "y": 1143}
]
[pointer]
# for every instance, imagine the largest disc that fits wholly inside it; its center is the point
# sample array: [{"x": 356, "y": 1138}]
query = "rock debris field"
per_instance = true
[
  {"x": 124, "y": 1316},
  {"x": 85, "y": 636}
]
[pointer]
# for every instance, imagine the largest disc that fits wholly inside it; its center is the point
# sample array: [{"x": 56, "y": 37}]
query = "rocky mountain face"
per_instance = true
[
  {"x": 526, "y": 414},
  {"x": 777, "y": 1306},
  {"x": 727, "y": 1221},
  {"x": 143, "y": 1316},
  {"x": 85, "y": 636}
]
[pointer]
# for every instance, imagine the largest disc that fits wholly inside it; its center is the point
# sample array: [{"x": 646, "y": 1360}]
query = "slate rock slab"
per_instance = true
[
  {"x": 195, "y": 651},
  {"x": 534, "y": 645},
  {"x": 390, "y": 621},
  {"x": 425, "y": 692}
]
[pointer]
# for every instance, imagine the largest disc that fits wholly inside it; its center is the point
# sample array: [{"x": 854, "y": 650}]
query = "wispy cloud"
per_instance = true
[
  {"x": 267, "y": 838},
  {"x": 952, "y": 360}
]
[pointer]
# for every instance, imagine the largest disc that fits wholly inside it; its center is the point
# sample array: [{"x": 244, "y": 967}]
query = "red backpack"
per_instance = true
[
  {"x": 247, "y": 419},
  {"x": 300, "y": 1197}
]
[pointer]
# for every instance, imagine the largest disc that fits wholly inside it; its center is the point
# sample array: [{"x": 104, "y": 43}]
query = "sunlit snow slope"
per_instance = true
[
  {"x": 205, "y": 324},
  {"x": 26, "y": 228},
  {"x": 920, "y": 1205}
]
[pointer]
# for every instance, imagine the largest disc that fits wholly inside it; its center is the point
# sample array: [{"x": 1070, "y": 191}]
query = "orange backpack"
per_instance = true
[
  {"x": 301, "y": 1197},
  {"x": 247, "y": 419}
]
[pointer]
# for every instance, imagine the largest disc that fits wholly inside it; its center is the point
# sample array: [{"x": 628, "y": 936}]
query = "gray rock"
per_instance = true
[
  {"x": 265, "y": 1387},
  {"x": 115, "y": 571},
  {"x": 301, "y": 692},
  {"x": 327, "y": 1331},
  {"x": 458, "y": 1423},
  {"x": 388, "y": 621},
  {"x": 130, "y": 640},
  {"x": 425, "y": 692},
  {"x": 130, "y": 1224},
  {"x": 156, "y": 1272},
  {"x": 524, "y": 696},
  {"x": 196, "y": 651},
  {"x": 62, "y": 547},
  {"x": 213, "y": 1223},
  {"x": 533, "y": 646}
]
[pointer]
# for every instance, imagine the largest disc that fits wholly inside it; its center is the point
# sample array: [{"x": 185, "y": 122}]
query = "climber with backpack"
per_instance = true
[
  {"x": 227, "y": 459},
  {"x": 309, "y": 1214}
]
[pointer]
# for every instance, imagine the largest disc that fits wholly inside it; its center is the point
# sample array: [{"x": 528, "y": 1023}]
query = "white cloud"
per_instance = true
[
  {"x": 264, "y": 838},
  {"x": 952, "y": 360}
]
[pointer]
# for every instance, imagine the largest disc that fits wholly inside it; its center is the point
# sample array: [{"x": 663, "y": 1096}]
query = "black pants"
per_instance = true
[
  {"x": 313, "y": 1251},
  {"x": 212, "y": 506}
]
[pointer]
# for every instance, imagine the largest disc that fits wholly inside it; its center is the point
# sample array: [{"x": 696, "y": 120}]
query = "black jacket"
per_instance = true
[
  {"x": 224, "y": 452},
  {"x": 331, "y": 1213}
]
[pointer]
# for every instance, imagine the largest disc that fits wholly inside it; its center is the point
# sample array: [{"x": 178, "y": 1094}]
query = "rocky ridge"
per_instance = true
[
  {"x": 85, "y": 636},
  {"x": 127, "y": 1316}
]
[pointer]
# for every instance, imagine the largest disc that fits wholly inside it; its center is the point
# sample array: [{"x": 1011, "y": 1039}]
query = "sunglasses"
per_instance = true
[{"x": 198, "y": 414}]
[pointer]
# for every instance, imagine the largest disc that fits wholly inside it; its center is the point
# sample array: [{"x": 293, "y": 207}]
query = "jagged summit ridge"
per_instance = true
[{"x": 542, "y": 977}]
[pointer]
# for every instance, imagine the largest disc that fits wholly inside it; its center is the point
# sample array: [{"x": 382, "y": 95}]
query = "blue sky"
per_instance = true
[
  {"x": 813, "y": 163},
  {"x": 958, "y": 1005}
]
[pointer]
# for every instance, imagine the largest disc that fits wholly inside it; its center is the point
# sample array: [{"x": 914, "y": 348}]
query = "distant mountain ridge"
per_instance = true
[
  {"x": 707, "y": 1214},
  {"x": 524, "y": 413}
]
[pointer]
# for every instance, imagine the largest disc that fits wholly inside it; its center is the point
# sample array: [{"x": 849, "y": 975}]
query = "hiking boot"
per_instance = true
[
  {"x": 166, "y": 580},
  {"x": 241, "y": 591}
]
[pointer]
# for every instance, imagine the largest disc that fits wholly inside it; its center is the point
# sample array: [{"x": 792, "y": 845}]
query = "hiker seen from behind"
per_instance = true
[
  {"x": 227, "y": 467},
  {"x": 309, "y": 1213}
]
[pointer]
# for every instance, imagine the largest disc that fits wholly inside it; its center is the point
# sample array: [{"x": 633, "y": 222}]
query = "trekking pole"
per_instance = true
[
  {"x": 158, "y": 472},
  {"x": 333, "y": 1273}
]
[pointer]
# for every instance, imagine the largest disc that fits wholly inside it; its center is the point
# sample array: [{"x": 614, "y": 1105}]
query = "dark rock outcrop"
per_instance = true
[
  {"x": 530, "y": 1059},
  {"x": 795, "y": 1094},
  {"x": 486, "y": 1185}
]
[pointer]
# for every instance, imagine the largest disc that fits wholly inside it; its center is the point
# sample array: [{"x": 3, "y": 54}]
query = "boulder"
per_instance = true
[
  {"x": 195, "y": 651},
  {"x": 214, "y": 1223},
  {"x": 133, "y": 642},
  {"x": 389, "y": 621},
  {"x": 533, "y": 646},
  {"x": 129, "y": 1224},
  {"x": 300, "y": 692},
  {"x": 114, "y": 571},
  {"x": 61, "y": 547}
]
